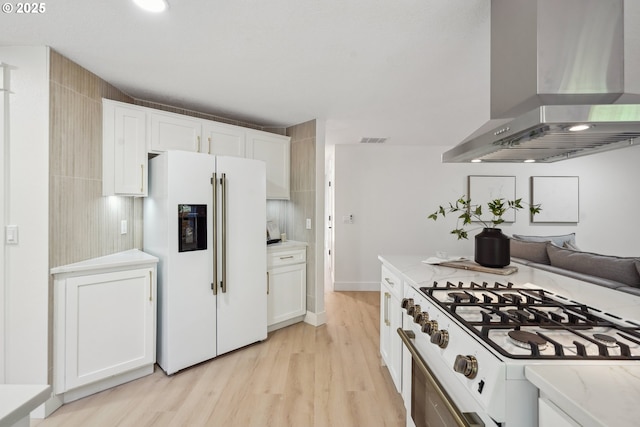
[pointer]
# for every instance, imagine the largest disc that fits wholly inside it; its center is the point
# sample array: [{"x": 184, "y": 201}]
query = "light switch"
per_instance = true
[
  {"x": 11, "y": 234},
  {"x": 123, "y": 226}
]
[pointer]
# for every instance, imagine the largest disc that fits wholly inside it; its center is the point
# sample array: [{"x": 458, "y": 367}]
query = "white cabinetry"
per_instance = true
[
  {"x": 390, "y": 321},
  {"x": 286, "y": 284},
  {"x": 104, "y": 323},
  {"x": 275, "y": 151},
  {"x": 171, "y": 131},
  {"x": 124, "y": 149},
  {"x": 130, "y": 132},
  {"x": 224, "y": 140},
  {"x": 549, "y": 415}
]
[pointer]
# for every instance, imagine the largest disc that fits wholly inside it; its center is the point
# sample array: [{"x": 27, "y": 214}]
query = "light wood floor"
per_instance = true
[{"x": 300, "y": 376}]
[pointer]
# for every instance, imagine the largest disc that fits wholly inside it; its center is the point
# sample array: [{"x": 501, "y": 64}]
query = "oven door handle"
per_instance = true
[{"x": 463, "y": 419}]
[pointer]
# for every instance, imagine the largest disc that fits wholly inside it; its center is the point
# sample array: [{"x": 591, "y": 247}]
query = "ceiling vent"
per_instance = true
[{"x": 369, "y": 140}]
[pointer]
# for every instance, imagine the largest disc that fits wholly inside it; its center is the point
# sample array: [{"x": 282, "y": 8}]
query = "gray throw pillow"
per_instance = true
[
  {"x": 570, "y": 245},
  {"x": 556, "y": 240},
  {"x": 531, "y": 251},
  {"x": 619, "y": 269}
]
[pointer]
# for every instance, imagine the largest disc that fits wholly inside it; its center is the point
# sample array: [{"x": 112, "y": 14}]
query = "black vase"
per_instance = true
[{"x": 492, "y": 248}]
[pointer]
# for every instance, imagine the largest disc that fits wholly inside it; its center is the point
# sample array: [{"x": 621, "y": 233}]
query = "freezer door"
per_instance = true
[
  {"x": 242, "y": 290},
  {"x": 188, "y": 308}
]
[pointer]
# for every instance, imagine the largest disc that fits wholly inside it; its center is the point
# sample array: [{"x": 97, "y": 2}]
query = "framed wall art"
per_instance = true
[
  {"x": 557, "y": 196},
  {"x": 483, "y": 189}
]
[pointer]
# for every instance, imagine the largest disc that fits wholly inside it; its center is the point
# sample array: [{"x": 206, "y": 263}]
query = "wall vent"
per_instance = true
[{"x": 370, "y": 140}]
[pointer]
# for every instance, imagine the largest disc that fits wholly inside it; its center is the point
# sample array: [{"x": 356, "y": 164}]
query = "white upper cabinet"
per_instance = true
[
  {"x": 175, "y": 132},
  {"x": 275, "y": 151},
  {"x": 130, "y": 132},
  {"x": 124, "y": 149},
  {"x": 223, "y": 140}
]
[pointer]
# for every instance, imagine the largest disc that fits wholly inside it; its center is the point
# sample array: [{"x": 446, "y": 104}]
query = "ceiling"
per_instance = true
[{"x": 414, "y": 71}]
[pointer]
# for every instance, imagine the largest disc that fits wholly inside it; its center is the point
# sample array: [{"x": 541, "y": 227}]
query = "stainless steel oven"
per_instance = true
[{"x": 431, "y": 405}]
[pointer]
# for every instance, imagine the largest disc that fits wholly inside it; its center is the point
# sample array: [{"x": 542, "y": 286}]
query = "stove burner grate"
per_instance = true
[
  {"x": 570, "y": 328},
  {"x": 607, "y": 340},
  {"x": 528, "y": 340}
]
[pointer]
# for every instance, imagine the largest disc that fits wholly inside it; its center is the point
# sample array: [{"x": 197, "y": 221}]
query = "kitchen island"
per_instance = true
[{"x": 574, "y": 391}]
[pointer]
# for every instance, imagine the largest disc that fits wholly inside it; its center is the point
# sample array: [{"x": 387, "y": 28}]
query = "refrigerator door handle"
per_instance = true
[
  {"x": 223, "y": 214},
  {"x": 214, "y": 184}
]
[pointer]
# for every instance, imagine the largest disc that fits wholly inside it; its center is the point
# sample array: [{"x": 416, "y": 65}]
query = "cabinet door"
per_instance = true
[
  {"x": 549, "y": 415},
  {"x": 274, "y": 150},
  {"x": 286, "y": 297},
  {"x": 109, "y": 325},
  {"x": 223, "y": 140},
  {"x": 175, "y": 132},
  {"x": 390, "y": 342},
  {"x": 124, "y": 150},
  {"x": 385, "y": 325},
  {"x": 395, "y": 343}
]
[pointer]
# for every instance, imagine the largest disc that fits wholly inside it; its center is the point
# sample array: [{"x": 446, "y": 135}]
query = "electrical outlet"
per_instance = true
[
  {"x": 308, "y": 223},
  {"x": 123, "y": 226}
]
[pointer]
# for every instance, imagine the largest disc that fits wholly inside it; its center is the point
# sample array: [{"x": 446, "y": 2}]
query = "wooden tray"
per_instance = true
[{"x": 470, "y": 265}]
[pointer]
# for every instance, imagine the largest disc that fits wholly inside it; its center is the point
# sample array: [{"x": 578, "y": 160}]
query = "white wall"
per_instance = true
[
  {"x": 390, "y": 190},
  {"x": 26, "y": 278}
]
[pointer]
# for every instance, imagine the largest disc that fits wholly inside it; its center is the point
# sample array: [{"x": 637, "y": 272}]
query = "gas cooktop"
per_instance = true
[{"x": 523, "y": 322}]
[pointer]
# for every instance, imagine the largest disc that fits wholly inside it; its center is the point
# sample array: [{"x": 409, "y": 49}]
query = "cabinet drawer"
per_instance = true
[
  {"x": 392, "y": 281},
  {"x": 286, "y": 257}
]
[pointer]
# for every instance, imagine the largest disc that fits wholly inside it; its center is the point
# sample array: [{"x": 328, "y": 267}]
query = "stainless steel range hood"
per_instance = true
[{"x": 554, "y": 64}]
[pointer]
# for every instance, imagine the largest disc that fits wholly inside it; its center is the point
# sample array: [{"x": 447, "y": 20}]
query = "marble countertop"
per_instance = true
[
  {"x": 419, "y": 274},
  {"x": 18, "y": 400},
  {"x": 121, "y": 259},
  {"x": 283, "y": 246},
  {"x": 601, "y": 396}
]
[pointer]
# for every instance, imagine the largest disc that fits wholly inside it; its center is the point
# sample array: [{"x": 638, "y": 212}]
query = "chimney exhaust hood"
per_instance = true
[{"x": 554, "y": 65}]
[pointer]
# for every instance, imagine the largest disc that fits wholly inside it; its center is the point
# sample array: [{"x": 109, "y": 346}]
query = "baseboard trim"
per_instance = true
[
  {"x": 316, "y": 319},
  {"x": 356, "y": 286},
  {"x": 47, "y": 408},
  {"x": 285, "y": 323}
]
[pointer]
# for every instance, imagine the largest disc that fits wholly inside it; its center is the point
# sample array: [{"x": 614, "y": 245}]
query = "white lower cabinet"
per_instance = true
[
  {"x": 104, "y": 327},
  {"x": 549, "y": 415},
  {"x": 390, "y": 321},
  {"x": 286, "y": 287}
]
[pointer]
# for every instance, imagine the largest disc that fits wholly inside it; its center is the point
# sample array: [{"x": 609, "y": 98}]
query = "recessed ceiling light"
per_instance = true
[
  {"x": 578, "y": 128},
  {"x": 155, "y": 6},
  {"x": 476, "y": 160},
  {"x": 530, "y": 161}
]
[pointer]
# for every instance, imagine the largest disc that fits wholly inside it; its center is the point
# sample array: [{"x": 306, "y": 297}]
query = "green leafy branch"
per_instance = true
[{"x": 468, "y": 213}]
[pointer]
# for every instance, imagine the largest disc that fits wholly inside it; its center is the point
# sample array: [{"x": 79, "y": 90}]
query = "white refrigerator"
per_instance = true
[{"x": 204, "y": 219}]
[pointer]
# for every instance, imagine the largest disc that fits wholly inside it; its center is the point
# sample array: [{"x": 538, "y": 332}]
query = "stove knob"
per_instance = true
[
  {"x": 466, "y": 365},
  {"x": 421, "y": 318},
  {"x": 408, "y": 305},
  {"x": 440, "y": 338},
  {"x": 417, "y": 313},
  {"x": 430, "y": 327}
]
